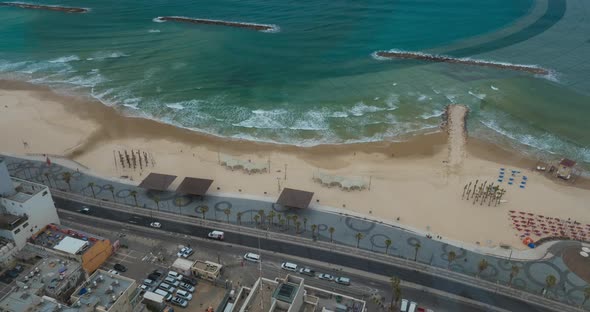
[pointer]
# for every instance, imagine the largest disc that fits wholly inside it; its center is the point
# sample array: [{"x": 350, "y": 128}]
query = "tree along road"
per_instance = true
[{"x": 376, "y": 267}]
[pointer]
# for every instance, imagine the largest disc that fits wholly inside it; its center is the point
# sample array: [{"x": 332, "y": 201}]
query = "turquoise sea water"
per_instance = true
[{"x": 314, "y": 81}]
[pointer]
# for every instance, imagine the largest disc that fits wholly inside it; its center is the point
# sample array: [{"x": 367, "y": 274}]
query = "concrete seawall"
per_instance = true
[
  {"x": 464, "y": 61},
  {"x": 44, "y": 7}
]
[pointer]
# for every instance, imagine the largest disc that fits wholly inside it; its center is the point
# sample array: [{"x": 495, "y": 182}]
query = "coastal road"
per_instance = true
[
  {"x": 363, "y": 285},
  {"x": 316, "y": 254}
]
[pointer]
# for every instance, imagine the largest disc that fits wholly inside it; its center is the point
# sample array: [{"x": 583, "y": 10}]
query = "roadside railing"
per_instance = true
[{"x": 337, "y": 248}]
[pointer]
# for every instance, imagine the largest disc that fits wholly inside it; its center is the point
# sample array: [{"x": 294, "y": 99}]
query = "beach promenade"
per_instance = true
[{"x": 533, "y": 267}]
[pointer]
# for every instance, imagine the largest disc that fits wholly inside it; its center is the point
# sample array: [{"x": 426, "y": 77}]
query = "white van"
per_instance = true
[
  {"x": 252, "y": 257},
  {"x": 216, "y": 235},
  {"x": 175, "y": 275},
  {"x": 413, "y": 306},
  {"x": 167, "y": 287},
  {"x": 184, "y": 295},
  {"x": 404, "y": 306},
  {"x": 289, "y": 266},
  {"x": 167, "y": 296},
  {"x": 343, "y": 280}
]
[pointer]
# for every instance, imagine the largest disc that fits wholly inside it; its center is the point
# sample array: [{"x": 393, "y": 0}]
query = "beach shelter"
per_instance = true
[
  {"x": 194, "y": 186},
  {"x": 295, "y": 198},
  {"x": 565, "y": 168},
  {"x": 157, "y": 181}
]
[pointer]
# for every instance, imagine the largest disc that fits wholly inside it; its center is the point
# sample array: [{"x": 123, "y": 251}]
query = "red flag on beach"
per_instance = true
[{"x": 48, "y": 161}]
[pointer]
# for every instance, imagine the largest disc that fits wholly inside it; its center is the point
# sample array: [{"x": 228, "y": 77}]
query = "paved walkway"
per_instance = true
[{"x": 374, "y": 234}]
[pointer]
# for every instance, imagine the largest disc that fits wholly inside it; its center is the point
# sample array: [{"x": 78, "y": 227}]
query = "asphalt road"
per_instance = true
[{"x": 474, "y": 293}]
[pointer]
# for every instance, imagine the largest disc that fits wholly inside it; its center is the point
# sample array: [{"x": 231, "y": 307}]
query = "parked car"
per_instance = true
[
  {"x": 172, "y": 281},
  {"x": 188, "y": 287},
  {"x": 343, "y": 280},
  {"x": 307, "y": 271},
  {"x": 187, "y": 252},
  {"x": 184, "y": 295},
  {"x": 167, "y": 287},
  {"x": 289, "y": 266},
  {"x": 179, "y": 302},
  {"x": 326, "y": 277},
  {"x": 157, "y": 273},
  {"x": 252, "y": 257},
  {"x": 153, "y": 277},
  {"x": 216, "y": 235},
  {"x": 189, "y": 280},
  {"x": 85, "y": 210},
  {"x": 404, "y": 305},
  {"x": 176, "y": 275},
  {"x": 148, "y": 281},
  {"x": 156, "y": 225},
  {"x": 114, "y": 272},
  {"x": 119, "y": 267},
  {"x": 144, "y": 287}
]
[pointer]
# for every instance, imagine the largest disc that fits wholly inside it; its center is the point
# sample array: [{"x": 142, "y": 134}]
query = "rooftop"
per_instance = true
[
  {"x": 295, "y": 198},
  {"x": 101, "y": 289},
  {"x": 157, "y": 181},
  {"x": 207, "y": 266},
  {"x": 65, "y": 239},
  {"x": 194, "y": 186},
  {"x": 262, "y": 295},
  {"x": 25, "y": 190},
  {"x": 51, "y": 273}
]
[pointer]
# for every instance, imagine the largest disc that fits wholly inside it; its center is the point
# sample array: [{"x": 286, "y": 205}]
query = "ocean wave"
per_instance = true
[
  {"x": 176, "y": 106},
  {"x": 494, "y": 88},
  {"x": 480, "y": 96},
  {"x": 433, "y": 114},
  {"x": 65, "y": 59},
  {"x": 154, "y": 31},
  {"x": 6, "y": 66},
  {"x": 423, "y": 97},
  {"x": 265, "y": 119},
  {"x": 103, "y": 55}
]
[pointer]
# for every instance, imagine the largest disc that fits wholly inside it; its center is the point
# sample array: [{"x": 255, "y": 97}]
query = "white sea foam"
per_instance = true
[
  {"x": 480, "y": 96},
  {"x": 158, "y": 20},
  {"x": 360, "y": 109},
  {"x": 264, "y": 119},
  {"x": 103, "y": 55},
  {"x": 311, "y": 120},
  {"x": 65, "y": 59},
  {"x": 132, "y": 106},
  {"x": 176, "y": 106},
  {"x": 423, "y": 97},
  {"x": 436, "y": 113},
  {"x": 154, "y": 31},
  {"x": 391, "y": 101},
  {"x": 6, "y": 66},
  {"x": 494, "y": 88}
]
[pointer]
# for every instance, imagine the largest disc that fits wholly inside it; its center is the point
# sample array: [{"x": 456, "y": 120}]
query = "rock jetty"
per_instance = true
[
  {"x": 465, "y": 61},
  {"x": 258, "y": 27},
  {"x": 44, "y": 7}
]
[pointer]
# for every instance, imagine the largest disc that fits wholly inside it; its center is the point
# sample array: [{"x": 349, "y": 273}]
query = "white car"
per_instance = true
[
  {"x": 326, "y": 277},
  {"x": 156, "y": 225},
  {"x": 114, "y": 272},
  {"x": 289, "y": 266},
  {"x": 343, "y": 280},
  {"x": 252, "y": 257}
]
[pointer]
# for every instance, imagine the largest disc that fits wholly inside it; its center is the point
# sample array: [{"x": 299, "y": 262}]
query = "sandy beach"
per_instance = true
[{"x": 417, "y": 183}]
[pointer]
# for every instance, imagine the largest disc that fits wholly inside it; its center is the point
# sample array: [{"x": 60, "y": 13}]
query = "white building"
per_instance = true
[{"x": 25, "y": 208}]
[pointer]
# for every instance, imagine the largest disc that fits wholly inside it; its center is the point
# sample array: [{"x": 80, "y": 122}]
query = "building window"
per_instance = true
[
  {"x": 16, "y": 231},
  {"x": 25, "y": 225}
]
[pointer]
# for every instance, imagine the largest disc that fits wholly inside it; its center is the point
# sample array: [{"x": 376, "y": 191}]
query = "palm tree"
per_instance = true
[
  {"x": 261, "y": 214},
  {"x": 388, "y": 243},
  {"x": 513, "y": 272},
  {"x": 586, "y": 295},
  {"x": 358, "y": 237},
  {"x": 452, "y": 257},
  {"x": 417, "y": 247},
  {"x": 91, "y": 186},
  {"x": 257, "y": 218},
  {"x": 282, "y": 222},
  {"x": 239, "y": 217},
  {"x": 271, "y": 215},
  {"x": 331, "y": 230},
  {"x": 157, "y": 201},
  {"x": 134, "y": 194},
  {"x": 396, "y": 291},
  {"x": 295, "y": 218},
  {"x": 112, "y": 189},
  {"x": 67, "y": 176},
  {"x": 46, "y": 174},
  {"x": 482, "y": 266},
  {"x": 203, "y": 210},
  {"x": 297, "y": 226},
  {"x": 551, "y": 280},
  {"x": 305, "y": 224},
  {"x": 227, "y": 212},
  {"x": 314, "y": 227}
]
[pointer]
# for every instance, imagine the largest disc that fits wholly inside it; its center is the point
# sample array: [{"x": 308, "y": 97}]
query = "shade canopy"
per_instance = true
[
  {"x": 567, "y": 162},
  {"x": 295, "y": 198},
  {"x": 157, "y": 181},
  {"x": 194, "y": 186}
]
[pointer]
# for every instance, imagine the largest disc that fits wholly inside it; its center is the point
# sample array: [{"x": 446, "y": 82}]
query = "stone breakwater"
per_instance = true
[
  {"x": 465, "y": 61},
  {"x": 44, "y": 7},
  {"x": 253, "y": 26}
]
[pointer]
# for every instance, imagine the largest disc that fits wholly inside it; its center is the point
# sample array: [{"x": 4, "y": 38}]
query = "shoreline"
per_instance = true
[{"x": 412, "y": 181}]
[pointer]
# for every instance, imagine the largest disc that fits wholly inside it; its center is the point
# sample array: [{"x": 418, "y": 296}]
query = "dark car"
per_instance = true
[
  {"x": 157, "y": 273},
  {"x": 119, "y": 267},
  {"x": 153, "y": 277},
  {"x": 189, "y": 280}
]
